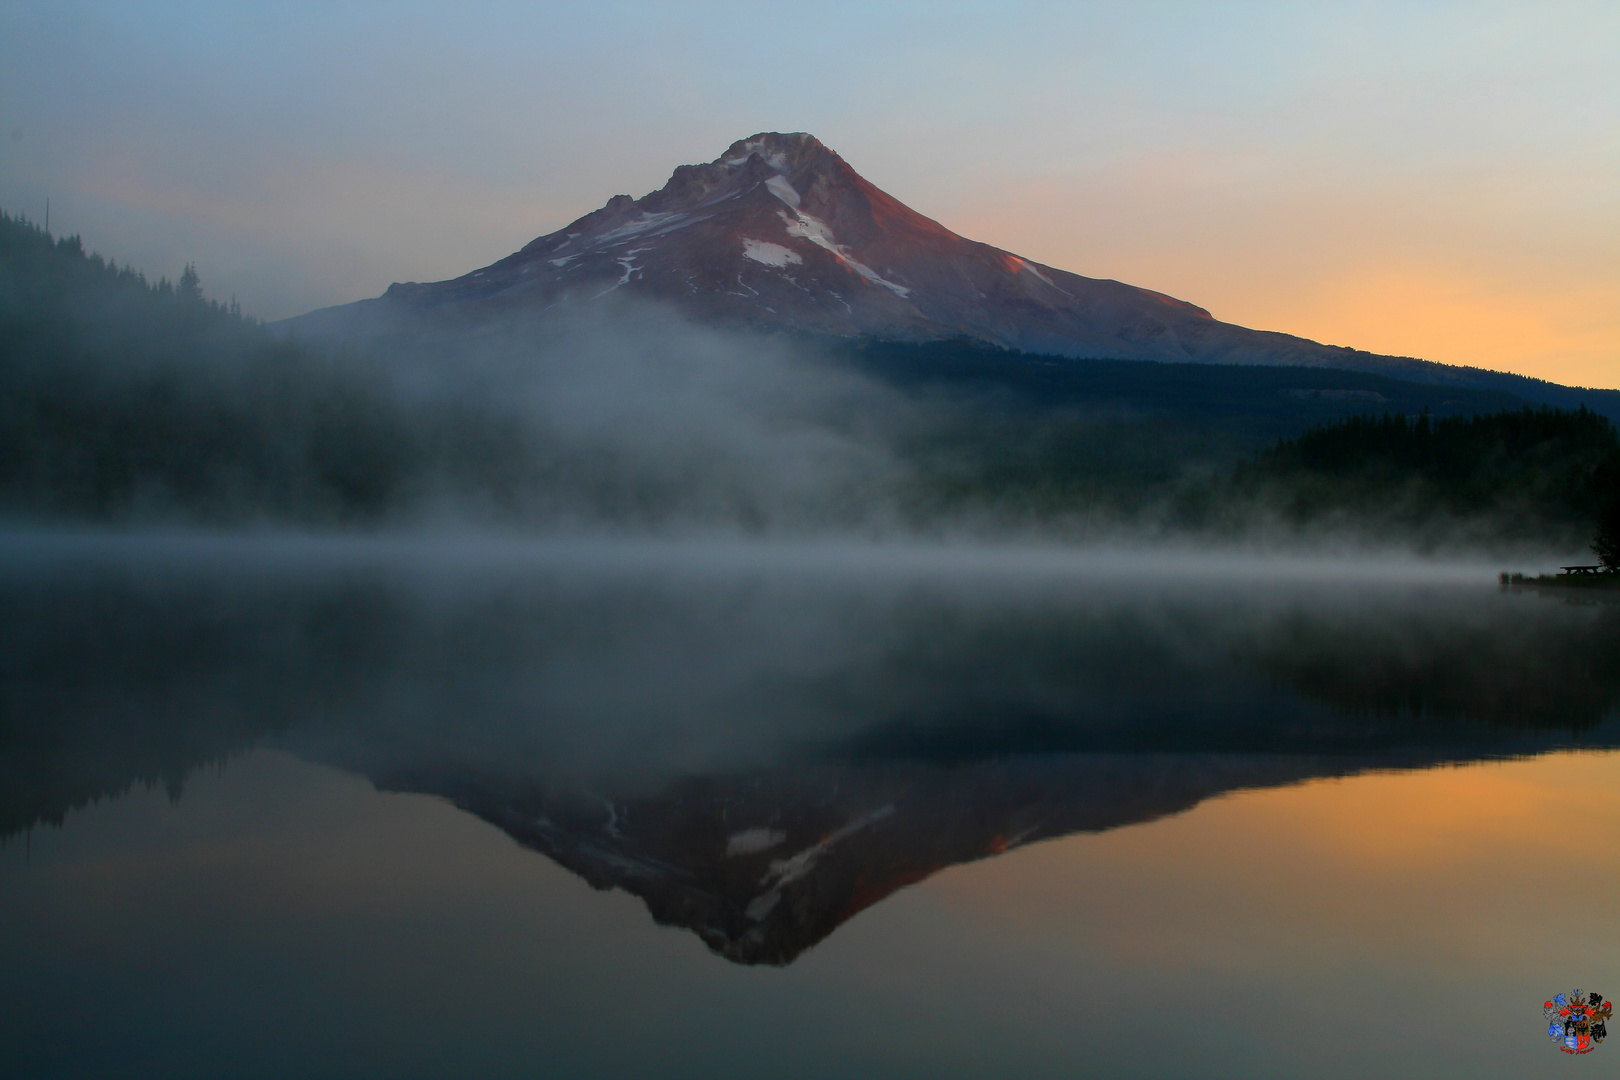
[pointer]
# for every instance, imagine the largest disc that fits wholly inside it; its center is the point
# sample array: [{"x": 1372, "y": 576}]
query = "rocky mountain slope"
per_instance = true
[{"x": 780, "y": 232}]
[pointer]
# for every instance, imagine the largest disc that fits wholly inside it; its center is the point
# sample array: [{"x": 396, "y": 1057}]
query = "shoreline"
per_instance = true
[{"x": 1607, "y": 579}]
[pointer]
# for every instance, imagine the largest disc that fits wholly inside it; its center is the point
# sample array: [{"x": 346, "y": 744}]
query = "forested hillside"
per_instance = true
[
  {"x": 1522, "y": 473},
  {"x": 126, "y": 398},
  {"x": 1109, "y": 440}
]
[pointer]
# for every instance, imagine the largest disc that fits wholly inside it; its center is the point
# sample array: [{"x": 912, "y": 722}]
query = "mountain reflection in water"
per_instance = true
[{"x": 760, "y": 755}]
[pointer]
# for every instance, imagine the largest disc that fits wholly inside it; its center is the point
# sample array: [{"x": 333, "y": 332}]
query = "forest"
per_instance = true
[
  {"x": 128, "y": 399},
  {"x": 1523, "y": 472}
]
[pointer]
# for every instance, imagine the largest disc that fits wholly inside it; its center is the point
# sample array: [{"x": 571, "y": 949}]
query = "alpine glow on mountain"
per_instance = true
[{"x": 780, "y": 232}]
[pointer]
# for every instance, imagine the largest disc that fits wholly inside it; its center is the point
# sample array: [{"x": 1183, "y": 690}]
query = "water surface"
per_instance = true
[{"x": 393, "y": 808}]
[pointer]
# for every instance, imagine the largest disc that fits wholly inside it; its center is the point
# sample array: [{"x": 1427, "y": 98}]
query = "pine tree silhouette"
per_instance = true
[{"x": 190, "y": 285}]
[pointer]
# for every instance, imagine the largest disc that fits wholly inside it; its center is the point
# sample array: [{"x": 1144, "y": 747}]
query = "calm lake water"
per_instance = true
[{"x": 287, "y": 807}]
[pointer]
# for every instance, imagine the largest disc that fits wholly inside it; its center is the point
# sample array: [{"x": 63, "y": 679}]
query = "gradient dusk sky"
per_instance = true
[{"x": 1427, "y": 179}]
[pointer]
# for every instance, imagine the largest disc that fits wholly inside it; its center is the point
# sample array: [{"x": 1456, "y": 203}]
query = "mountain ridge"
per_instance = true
[
  {"x": 781, "y": 231},
  {"x": 781, "y": 234}
]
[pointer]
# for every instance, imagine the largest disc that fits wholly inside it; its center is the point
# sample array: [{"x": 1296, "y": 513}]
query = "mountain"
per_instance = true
[{"x": 780, "y": 232}]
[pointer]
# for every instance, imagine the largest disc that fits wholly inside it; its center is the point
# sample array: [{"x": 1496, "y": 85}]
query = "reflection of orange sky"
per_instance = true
[
  {"x": 1480, "y": 274},
  {"x": 1463, "y": 863}
]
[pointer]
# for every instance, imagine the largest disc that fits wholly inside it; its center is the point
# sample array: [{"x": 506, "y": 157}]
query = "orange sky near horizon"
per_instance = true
[
  {"x": 1404, "y": 271},
  {"x": 1442, "y": 310},
  {"x": 1446, "y": 310}
]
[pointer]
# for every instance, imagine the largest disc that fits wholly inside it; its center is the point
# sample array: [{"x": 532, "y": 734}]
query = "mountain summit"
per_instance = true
[{"x": 780, "y": 232}]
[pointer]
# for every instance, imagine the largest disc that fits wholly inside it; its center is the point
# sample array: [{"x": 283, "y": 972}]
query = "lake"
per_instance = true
[{"x": 482, "y": 807}]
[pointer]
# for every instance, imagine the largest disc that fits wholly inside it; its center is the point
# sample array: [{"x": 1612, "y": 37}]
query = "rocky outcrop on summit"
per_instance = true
[{"x": 780, "y": 232}]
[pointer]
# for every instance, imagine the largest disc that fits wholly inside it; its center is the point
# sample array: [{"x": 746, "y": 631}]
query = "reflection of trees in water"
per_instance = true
[
  {"x": 125, "y": 675},
  {"x": 106, "y": 682},
  {"x": 1168, "y": 673},
  {"x": 1530, "y": 662}
]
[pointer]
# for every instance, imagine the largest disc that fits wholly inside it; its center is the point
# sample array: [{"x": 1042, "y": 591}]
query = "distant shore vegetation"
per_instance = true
[{"x": 1520, "y": 474}]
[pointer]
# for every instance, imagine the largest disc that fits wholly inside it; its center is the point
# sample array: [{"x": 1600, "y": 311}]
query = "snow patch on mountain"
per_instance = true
[
  {"x": 773, "y": 157},
  {"x": 653, "y": 224},
  {"x": 763, "y": 251},
  {"x": 628, "y": 262},
  {"x": 782, "y": 189},
  {"x": 1025, "y": 264},
  {"x": 816, "y": 231}
]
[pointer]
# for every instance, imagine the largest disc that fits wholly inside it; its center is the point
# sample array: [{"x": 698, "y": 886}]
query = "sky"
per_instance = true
[{"x": 1424, "y": 179}]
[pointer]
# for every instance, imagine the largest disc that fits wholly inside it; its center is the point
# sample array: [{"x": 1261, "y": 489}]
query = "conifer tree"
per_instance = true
[
  {"x": 1606, "y": 485},
  {"x": 190, "y": 286}
]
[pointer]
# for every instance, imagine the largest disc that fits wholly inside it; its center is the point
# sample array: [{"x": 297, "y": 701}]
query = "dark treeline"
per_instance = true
[
  {"x": 1105, "y": 441},
  {"x": 1606, "y": 484},
  {"x": 1528, "y": 472},
  {"x": 121, "y": 397}
]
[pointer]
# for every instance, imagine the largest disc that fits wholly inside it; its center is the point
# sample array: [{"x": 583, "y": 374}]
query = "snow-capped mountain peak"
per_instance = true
[{"x": 780, "y": 232}]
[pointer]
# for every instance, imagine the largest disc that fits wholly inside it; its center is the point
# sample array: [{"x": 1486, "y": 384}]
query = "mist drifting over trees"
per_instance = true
[{"x": 128, "y": 401}]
